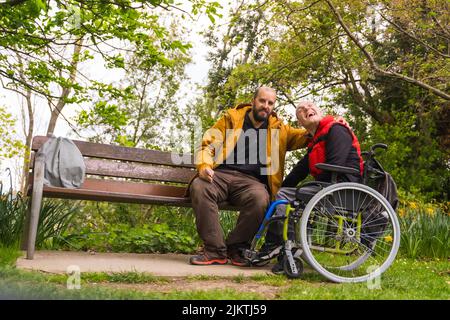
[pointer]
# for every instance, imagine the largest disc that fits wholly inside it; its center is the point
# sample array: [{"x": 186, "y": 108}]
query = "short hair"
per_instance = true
[{"x": 262, "y": 87}]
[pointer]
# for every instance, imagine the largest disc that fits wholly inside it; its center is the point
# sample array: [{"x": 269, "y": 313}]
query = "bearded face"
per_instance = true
[{"x": 263, "y": 104}]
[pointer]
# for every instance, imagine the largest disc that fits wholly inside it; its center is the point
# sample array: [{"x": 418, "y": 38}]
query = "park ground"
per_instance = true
[{"x": 405, "y": 279}]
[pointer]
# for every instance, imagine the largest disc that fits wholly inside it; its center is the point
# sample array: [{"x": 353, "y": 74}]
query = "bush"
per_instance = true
[
  {"x": 12, "y": 215},
  {"x": 103, "y": 226},
  {"x": 54, "y": 219},
  {"x": 425, "y": 229},
  {"x": 124, "y": 238}
]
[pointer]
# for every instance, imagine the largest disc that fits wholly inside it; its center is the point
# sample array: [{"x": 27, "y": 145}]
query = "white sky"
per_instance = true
[{"x": 197, "y": 72}]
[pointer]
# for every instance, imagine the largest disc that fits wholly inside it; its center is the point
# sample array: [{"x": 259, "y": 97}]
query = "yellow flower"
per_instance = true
[
  {"x": 430, "y": 211},
  {"x": 401, "y": 212},
  {"x": 388, "y": 238},
  {"x": 413, "y": 205}
]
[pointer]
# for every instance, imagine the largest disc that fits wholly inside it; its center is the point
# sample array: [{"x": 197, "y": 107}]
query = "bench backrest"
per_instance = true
[{"x": 103, "y": 160}]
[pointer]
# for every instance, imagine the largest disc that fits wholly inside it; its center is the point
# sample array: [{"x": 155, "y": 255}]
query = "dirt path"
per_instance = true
[{"x": 265, "y": 291}]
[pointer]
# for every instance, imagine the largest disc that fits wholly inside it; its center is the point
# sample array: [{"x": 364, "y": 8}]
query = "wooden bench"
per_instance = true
[{"x": 113, "y": 174}]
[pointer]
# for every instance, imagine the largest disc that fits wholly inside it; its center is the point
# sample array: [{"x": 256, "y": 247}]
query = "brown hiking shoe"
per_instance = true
[{"x": 203, "y": 259}]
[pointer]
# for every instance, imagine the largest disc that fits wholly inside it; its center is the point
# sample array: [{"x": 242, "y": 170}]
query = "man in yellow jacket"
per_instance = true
[{"x": 241, "y": 160}]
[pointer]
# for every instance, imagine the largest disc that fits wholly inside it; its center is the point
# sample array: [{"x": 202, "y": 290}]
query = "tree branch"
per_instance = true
[
  {"x": 399, "y": 28},
  {"x": 376, "y": 67}
]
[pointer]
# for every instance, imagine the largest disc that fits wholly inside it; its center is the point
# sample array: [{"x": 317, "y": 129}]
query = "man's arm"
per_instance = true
[
  {"x": 212, "y": 140},
  {"x": 338, "y": 146},
  {"x": 298, "y": 173},
  {"x": 296, "y": 138}
]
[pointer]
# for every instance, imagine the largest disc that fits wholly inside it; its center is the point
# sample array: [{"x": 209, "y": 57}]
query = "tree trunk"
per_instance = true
[
  {"x": 56, "y": 111},
  {"x": 28, "y": 139}
]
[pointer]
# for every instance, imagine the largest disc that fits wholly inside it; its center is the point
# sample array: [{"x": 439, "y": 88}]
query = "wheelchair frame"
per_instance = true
[{"x": 348, "y": 230}]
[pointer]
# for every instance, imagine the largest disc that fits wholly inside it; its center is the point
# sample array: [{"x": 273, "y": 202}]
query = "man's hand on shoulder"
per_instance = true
[
  {"x": 343, "y": 121},
  {"x": 206, "y": 173}
]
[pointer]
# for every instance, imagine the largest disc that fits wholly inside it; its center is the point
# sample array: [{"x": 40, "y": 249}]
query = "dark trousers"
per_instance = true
[{"x": 239, "y": 189}]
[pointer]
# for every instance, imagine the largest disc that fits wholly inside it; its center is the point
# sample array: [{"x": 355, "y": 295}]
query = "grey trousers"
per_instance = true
[
  {"x": 286, "y": 193},
  {"x": 275, "y": 230}
]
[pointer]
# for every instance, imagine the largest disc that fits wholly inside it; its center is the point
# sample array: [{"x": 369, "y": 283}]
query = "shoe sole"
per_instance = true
[
  {"x": 240, "y": 264},
  {"x": 209, "y": 262}
]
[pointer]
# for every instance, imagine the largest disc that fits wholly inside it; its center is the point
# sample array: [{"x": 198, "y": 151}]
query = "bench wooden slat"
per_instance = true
[
  {"x": 125, "y": 187},
  {"x": 94, "y": 195},
  {"x": 105, "y": 151},
  {"x": 134, "y": 170},
  {"x": 125, "y": 191},
  {"x": 138, "y": 171}
]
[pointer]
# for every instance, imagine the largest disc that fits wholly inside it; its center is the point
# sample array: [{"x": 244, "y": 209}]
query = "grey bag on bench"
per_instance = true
[{"x": 64, "y": 163}]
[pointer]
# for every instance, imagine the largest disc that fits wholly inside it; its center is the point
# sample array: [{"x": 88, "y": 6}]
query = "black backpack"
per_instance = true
[{"x": 377, "y": 178}]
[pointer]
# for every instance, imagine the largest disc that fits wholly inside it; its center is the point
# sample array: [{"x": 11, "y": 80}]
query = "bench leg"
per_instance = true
[{"x": 35, "y": 204}]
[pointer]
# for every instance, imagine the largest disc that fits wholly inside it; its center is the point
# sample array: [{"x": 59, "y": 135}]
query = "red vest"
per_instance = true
[{"x": 316, "y": 148}]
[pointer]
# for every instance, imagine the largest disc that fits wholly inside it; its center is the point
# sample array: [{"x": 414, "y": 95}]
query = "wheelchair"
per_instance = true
[{"x": 347, "y": 232}]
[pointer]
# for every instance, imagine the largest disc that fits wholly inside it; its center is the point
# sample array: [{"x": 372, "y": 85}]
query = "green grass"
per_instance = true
[
  {"x": 114, "y": 277},
  {"x": 201, "y": 277},
  {"x": 406, "y": 279},
  {"x": 8, "y": 255}
]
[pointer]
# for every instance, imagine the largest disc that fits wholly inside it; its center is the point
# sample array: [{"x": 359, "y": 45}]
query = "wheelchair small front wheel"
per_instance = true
[
  {"x": 288, "y": 269},
  {"x": 349, "y": 233}
]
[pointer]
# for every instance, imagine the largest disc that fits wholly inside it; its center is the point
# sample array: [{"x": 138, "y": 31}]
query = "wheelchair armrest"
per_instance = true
[{"x": 337, "y": 169}]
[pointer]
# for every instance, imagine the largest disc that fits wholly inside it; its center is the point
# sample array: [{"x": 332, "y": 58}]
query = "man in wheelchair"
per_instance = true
[{"x": 332, "y": 143}]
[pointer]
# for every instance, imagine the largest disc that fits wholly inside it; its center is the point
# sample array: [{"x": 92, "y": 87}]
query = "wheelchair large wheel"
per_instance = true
[{"x": 349, "y": 233}]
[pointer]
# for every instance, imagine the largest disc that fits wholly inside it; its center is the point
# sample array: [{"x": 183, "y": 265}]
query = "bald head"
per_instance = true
[
  {"x": 308, "y": 115},
  {"x": 304, "y": 105},
  {"x": 264, "y": 88}
]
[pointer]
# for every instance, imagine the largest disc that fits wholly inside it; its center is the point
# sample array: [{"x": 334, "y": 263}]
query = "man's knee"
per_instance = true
[
  {"x": 260, "y": 199},
  {"x": 200, "y": 188}
]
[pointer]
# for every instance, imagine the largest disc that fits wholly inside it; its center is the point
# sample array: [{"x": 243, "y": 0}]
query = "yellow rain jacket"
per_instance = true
[{"x": 221, "y": 138}]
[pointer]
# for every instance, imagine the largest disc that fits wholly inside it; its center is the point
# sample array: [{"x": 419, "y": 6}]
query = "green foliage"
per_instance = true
[
  {"x": 123, "y": 238},
  {"x": 102, "y": 226},
  {"x": 12, "y": 215},
  {"x": 8, "y": 255},
  {"x": 54, "y": 218},
  {"x": 300, "y": 49},
  {"x": 425, "y": 229},
  {"x": 228, "y": 221},
  {"x": 103, "y": 114},
  {"x": 146, "y": 116},
  {"x": 122, "y": 277},
  {"x": 111, "y": 277},
  {"x": 413, "y": 158},
  {"x": 10, "y": 146},
  {"x": 43, "y": 45}
]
